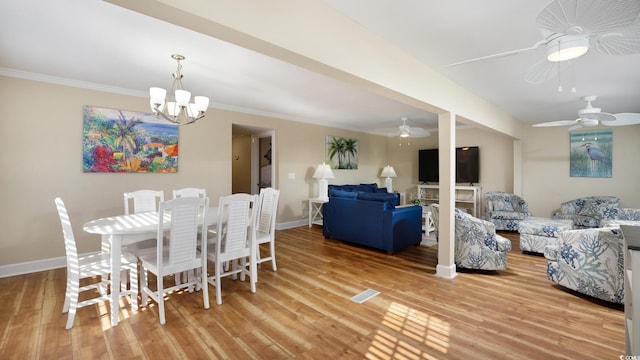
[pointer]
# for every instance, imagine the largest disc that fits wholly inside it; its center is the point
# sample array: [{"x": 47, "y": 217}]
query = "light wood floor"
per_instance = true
[{"x": 304, "y": 311}]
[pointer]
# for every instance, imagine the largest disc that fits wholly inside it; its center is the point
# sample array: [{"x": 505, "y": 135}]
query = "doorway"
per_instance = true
[{"x": 254, "y": 162}]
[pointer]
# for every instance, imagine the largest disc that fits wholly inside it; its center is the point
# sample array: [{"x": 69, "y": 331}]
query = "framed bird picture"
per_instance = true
[{"x": 591, "y": 153}]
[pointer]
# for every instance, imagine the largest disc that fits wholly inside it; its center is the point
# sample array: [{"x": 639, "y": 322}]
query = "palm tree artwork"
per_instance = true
[
  {"x": 342, "y": 153},
  {"x": 125, "y": 141}
]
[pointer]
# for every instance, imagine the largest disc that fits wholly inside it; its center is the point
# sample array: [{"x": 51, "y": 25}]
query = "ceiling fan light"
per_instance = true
[
  {"x": 567, "y": 48},
  {"x": 589, "y": 122},
  {"x": 404, "y": 131}
]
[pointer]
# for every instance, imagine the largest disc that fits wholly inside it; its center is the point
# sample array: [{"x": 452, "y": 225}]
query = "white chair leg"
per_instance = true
[
  {"x": 253, "y": 277},
  {"x": 272, "y": 247},
  {"x": 133, "y": 281},
  {"x": 67, "y": 296},
  {"x": 145, "y": 285},
  {"x": 74, "y": 292},
  {"x": 218, "y": 284},
  {"x": 205, "y": 286},
  {"x": 160, "y": 294}
]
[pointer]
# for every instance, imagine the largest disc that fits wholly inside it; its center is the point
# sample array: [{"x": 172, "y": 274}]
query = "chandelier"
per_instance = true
[{"x": 176, "y": 107}]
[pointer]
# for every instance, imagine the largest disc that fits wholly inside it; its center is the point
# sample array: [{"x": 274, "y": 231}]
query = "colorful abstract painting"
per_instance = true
[
  {"x": 591, "y": 153},
  {"x": 342, "y": 153},
  {"x": 126, "y": 141}
]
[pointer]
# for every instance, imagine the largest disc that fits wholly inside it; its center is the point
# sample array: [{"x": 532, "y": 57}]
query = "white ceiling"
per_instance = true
[{"x": 99, "y": 45}]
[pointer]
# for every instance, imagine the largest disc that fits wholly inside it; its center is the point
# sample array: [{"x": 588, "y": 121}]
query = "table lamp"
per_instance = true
[
  {"x": 323, "y": 172},
  {"x": 388, "y": 172}
]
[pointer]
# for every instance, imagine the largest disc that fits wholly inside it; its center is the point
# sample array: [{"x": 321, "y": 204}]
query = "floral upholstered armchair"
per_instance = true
[
  {"x": 589, "y": 261},
  {"x": 626, "y": 216},
  {"x": 477, "y": 244},
  {"x": 505, "y": 210},
  {"x": 588, "y": 212}
]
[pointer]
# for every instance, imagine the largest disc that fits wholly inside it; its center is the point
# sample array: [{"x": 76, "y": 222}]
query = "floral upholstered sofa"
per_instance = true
[
  {"x": 477, "y": 246},
  {"x": 589, "y": 261},
  {"x": 588, "y": 212},
  {"x": 505, "y": 210}
]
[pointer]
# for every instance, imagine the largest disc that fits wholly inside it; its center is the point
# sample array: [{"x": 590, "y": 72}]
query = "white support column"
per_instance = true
[
  {"x": 446, "y": 222},
  {"x": 517, "y": 167}
]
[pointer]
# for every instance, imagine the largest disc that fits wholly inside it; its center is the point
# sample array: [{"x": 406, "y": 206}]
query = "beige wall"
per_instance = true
[
  {"x": 41, "y": 157},
  {"x": 496, "y": 159},
  {"x": 41, "y": 147},
  {"x": 546, "y": 180}
]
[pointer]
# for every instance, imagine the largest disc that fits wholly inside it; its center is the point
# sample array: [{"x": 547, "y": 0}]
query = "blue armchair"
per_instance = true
[
  {"x": 505, "y": 210},
  {"x": 477, "y": 244}
]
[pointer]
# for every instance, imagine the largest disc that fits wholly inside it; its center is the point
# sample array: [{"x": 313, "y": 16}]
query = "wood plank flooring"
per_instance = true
[{"x": 304, "y": 311}]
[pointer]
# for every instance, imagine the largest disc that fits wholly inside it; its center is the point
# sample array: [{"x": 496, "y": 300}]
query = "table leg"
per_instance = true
[{"x": 116, "y": 250}]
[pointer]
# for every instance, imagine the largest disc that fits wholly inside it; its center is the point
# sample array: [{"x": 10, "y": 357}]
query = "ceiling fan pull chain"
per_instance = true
[
  {"x": 558, "y": 68},
  {"x": 573, "y": 79}
]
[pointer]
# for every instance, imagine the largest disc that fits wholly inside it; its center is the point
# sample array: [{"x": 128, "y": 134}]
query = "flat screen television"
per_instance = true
[{"x": 467, "y": 165}]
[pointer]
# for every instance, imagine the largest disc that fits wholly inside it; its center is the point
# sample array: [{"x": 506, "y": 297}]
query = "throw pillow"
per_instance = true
[
  {"x": 368, "y": 187},
  {"x": 501, "y": 203},
  {"x": 590, "y": 208},
  {"x": 390, "y": 199},
  {"x": 343, "y": 194},
  {"x": 381, "y": 190}
]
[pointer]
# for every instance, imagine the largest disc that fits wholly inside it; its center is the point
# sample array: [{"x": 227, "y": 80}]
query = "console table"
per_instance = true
[{"x": 466, "y": 197}]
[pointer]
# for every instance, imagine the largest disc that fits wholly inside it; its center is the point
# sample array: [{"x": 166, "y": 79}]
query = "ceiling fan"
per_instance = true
[
  {"x": 569, "y": 28},
  {"x": 404, "y": 130},
  {"x": 590, "y": 116}
]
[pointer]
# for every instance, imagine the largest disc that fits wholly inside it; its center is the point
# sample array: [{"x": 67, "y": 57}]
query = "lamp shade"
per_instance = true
[
  {"x": 388, "y": 171},
  {"x": 323, "y": 171}
]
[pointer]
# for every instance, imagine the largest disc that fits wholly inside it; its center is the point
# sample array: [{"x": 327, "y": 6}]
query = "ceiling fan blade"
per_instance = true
[
  {"x": 588, "y": 16},
  {"x": 624, "y": 42},
  {"x": 624, "y": 119},
  {"x": 600, "y": 116},
  {"x": 416, "y": 132},
  {"x": 544, "y": 70},
  {"x": 386, "y": 131},
  {"x": 556, "y": 123},
  {"x": 575, "y": 127},
  {"x": 502, "y": 54}
]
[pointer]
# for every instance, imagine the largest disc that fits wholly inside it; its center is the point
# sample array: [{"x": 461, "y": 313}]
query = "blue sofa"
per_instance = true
[{"x": 360, "y": 215}]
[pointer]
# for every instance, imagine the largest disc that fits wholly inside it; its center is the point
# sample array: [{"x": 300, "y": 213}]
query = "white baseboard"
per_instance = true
[
  {"x": 291, "y": 224},
  {"x": 32, "y": 266},
  {"x": 448, "y": 272}
]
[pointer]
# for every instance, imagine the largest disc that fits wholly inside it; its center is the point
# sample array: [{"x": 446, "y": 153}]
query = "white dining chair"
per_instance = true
[
  {"x": 177, "y": 251},
  {"x": 140, "y": 201},
  {"x": 189, "y": 192},
  {"x": 90, "y": 267},
  {"x": 235, "y": 241},
  {"x": 266, "y": 227},
  {"x": 143, "y": 201}
]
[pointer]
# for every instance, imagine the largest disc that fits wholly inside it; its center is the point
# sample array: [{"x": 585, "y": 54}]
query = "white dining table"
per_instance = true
[{"x": 121, "y": 230}]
